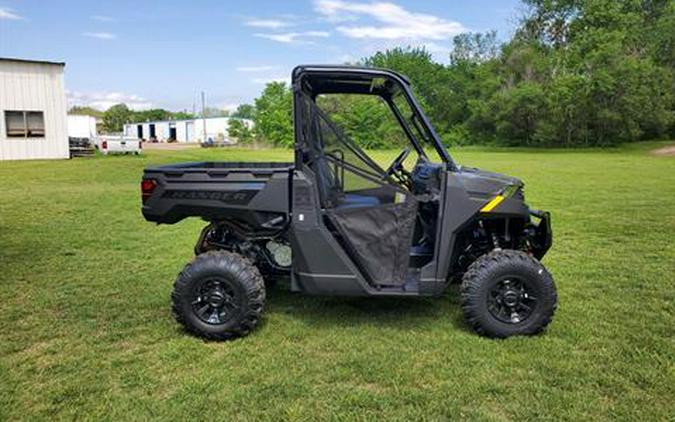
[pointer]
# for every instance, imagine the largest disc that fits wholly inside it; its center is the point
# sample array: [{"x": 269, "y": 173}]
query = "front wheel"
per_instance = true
[
  {"x": 219, "y": 295},
  {"x": 506, "y": 293}
]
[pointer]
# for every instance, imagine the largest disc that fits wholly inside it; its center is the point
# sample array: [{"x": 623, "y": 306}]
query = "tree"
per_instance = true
[
  {"x": 215, "y": 112},
  {"x": 86, "y": 111},
  {"x": 474, "y": 48},
  {"x": 430, "y": 79},
  {"x": 115, "y": 117},
  {"x": 151, "y": 115},
  {"x": 520, "y": 112},
  {"x": 274, "y": 115},
  {"x": 238, "y": 130},
  {"x": 244, "y": 111},
  {"x": 602, "y": 69},
  {"x": 182, "y": 115},
  {"x": 367, "y": 120},
  {"x": 548, "y": 22}
]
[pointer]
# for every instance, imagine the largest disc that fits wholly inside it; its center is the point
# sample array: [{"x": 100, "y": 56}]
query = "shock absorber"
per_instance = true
[{"x": 493, "y": 236}]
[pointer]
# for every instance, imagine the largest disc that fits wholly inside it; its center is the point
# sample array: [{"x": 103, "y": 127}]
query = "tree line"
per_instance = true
[{"x": 575, "y": 73}]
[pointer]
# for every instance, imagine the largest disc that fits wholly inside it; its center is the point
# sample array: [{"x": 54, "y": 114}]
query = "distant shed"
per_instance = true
[
  {"x": 187, "y": 131},
  {"x": 33, "y": 110}
]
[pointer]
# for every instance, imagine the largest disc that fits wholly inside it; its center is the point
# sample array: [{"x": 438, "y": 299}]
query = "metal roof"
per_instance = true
[{"x": 11, "y": 59}]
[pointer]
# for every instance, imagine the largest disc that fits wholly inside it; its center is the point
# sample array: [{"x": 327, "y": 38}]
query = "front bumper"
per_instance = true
[{"x": 541, "y": 237}]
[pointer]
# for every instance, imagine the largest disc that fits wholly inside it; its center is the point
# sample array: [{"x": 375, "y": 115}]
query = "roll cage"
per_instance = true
[{"x": 313, "y": 80}]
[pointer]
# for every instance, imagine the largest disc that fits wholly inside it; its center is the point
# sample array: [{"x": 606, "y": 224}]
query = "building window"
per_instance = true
[{"x": 25, "y": 124}]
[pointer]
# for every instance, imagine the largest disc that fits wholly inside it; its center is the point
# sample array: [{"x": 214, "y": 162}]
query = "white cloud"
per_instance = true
[
  {"x": 263, "y": 68},
  {"x": 293, "y": 37},
  {"x": 100, "y": 35},
  {"x": 393, "y": 21},
  {"x": 268, "y": 23},
  {"x": 104, "y": 100},
  {"x": 9, "y": 14},
  {"x": 103, "y": 18},
  {"x": 264, "y": 81}
]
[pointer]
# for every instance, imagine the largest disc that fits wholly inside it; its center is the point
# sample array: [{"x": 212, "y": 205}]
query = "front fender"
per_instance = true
[{"x": 542, "y": 236}]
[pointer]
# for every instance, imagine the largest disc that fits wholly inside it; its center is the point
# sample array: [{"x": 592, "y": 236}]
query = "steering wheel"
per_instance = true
[{"x": 396, "y": 168}]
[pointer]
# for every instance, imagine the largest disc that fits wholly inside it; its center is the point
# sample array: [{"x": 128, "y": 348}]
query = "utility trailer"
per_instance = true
[{"x": 339, "y": 224}]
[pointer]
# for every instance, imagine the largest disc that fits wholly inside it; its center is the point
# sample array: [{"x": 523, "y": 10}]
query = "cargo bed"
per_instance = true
[{"x": 253, "y": 193}]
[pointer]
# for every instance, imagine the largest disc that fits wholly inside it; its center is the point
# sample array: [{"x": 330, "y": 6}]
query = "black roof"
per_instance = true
[
  {"x": 11, "y": 59},
  {"x": 348, "y": 69}
]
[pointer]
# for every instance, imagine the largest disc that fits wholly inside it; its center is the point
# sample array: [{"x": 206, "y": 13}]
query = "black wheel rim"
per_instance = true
[
  {"x": 215, "y": 301},
  {"x": 511, "y": 300}
]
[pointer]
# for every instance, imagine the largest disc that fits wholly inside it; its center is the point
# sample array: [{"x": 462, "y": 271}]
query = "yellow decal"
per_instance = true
[
  {"x": 399, "y": 198},
  {"x": 492, "y": 204}
]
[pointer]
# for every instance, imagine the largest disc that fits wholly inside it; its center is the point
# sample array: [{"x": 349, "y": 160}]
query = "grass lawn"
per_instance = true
[{"x": 86, "y": 329}]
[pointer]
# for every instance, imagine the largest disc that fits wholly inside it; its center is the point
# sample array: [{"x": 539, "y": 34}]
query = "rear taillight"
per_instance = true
[
  {"x": 147, "y": 187},
  {"x": 104, "y": 145}
]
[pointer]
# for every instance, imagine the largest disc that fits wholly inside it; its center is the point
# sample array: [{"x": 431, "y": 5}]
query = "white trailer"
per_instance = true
[{"x": 82, "y": 127}]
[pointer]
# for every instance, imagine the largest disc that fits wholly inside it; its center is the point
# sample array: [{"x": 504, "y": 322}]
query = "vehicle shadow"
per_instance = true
[{"x": 391, "y": 312}]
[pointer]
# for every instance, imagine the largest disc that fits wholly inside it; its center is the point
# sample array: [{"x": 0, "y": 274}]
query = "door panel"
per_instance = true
[
  {"x": 189, "y": 132},
  {"x": 378, "y": 238},
  {"x": 320, "y": 266}
]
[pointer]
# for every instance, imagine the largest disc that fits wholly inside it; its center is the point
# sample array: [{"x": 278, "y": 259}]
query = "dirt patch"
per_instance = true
[
  {"x": 665, "y": 151},
  {"x": 164, "y": 146}
]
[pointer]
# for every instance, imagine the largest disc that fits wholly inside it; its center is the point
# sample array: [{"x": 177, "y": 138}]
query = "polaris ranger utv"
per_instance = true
[{"x": 339, "y": 224}]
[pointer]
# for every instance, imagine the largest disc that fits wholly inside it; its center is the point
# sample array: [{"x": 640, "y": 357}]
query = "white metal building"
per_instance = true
[
  {"x": 33, "y": 110},
  {"x": 191, "y": 130},
  {"x": 81, "y": 126}
]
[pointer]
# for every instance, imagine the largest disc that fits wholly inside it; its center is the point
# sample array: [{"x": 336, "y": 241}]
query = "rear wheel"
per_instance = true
[
  {"x": 219, "y": 295},
  {"x": 506, "y": 293}
]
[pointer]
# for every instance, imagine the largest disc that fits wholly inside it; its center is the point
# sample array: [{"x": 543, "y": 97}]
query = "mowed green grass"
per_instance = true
[{"x": 86, "y": 329}]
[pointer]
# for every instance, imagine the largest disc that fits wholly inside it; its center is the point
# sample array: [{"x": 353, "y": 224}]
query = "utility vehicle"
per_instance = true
[{"x": 339, "y": 224}]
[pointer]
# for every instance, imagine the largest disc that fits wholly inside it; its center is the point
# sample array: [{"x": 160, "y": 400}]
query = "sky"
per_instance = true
[{"x": 164, "y": 53}]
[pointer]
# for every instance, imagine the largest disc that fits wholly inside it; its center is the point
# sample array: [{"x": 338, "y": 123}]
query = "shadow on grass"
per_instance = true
[{"x": 390, "y": 312}]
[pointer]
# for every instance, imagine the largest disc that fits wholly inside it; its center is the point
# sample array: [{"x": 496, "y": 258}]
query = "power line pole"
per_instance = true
[{"x": 204, "y": 115}]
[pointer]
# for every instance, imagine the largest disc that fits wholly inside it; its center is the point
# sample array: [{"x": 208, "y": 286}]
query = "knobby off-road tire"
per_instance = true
[
  {"x": 220, "y": 295},
  {"x": 506, "y": 293}
]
